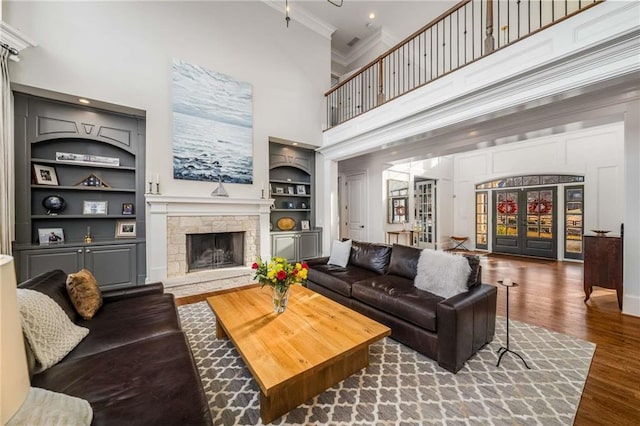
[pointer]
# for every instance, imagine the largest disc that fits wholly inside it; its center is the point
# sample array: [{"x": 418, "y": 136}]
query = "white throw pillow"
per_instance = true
[
  {"x": 49, "y": 331},
  {"x": 441, "y": 273},
  {"x": 340, "y": 251},
  {"x": 44, "y": 407}
]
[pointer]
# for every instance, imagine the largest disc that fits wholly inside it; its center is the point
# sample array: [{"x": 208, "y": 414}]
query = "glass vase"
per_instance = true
[{"x": 280, "y": 298}]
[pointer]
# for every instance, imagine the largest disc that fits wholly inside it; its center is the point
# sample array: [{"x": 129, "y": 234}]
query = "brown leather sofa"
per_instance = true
[
  {"x": 135, "y": 366},
  {"x": 378, "y": 282}
]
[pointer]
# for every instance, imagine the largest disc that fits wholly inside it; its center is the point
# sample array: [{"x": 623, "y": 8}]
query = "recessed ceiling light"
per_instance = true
[
  {"x": 372, "y": 15},
  {"x": 473, "y": 133},
  {"x": 83, "y": 101}
]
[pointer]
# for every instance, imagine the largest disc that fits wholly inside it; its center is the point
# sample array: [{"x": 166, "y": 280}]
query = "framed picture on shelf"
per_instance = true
[
  {"x": 95, "y": 207},
  {"x": 45, "y": 175},
  {"x": 303, "y": 205},
  {"x": 289, "y": 205},
  {"x": 128, "y": 209},
  {"x": 301, "y": 190},
  {"x": 290, "y": 190},
  {"x": 304, "y": 224},
  {"x": 279, "y": 190},
  {"x": 50, "y": 236},
  {"x": 126, "y": 229}
]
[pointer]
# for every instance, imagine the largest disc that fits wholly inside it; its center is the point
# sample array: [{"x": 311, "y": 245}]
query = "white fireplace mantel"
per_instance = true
[{"x": 160, "y": 207}]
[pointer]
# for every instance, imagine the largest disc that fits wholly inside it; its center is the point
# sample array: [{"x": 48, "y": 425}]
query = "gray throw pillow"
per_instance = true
[{"x": 340, "y": 251}]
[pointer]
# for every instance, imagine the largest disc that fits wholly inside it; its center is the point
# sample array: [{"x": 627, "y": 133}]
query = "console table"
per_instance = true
[
  {"x": 407, "y": 237},
  {"x": 603, "y": 264}
]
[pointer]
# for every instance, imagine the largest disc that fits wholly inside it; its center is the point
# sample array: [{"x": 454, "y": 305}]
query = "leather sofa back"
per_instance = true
[
  {"x": 52, "y": 284},
  {"x": 371, "y": 256},
  {"x": 404, "y": 261}
]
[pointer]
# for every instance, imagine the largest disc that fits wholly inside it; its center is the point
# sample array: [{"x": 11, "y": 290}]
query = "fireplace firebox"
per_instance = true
[{"x": 215, "y": 250}]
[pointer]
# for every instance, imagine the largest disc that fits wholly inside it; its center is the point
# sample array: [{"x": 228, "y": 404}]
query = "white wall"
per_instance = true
[{"x": 121, "y": 53}]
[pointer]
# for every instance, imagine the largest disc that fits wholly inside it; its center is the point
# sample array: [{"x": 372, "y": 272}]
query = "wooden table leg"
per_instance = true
[{"x": 220, "y": 333}]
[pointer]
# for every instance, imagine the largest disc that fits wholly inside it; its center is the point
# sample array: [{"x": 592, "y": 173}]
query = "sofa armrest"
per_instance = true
[
  {"x": 132, "y": 291},
  {"x": 465, "y": 322}
]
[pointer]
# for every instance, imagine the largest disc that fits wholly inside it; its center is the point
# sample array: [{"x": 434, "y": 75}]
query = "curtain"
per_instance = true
[{"x": 7, "y": 175}]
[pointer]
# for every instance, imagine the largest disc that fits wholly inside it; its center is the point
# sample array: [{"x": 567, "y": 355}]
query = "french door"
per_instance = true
[
  {"x": 424, "y": 233},
  {"x": 524, "y": 222}
]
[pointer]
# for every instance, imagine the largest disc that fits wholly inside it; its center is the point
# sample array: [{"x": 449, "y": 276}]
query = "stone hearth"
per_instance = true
[{"x": 171, "y": 218}]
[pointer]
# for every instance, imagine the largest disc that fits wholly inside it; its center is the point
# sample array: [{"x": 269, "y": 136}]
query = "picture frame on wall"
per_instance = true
[
  {"x": 50, "y": 236},
  {"x": 126, "y": 229},
  {"x": 95, "y": 208},
  {"x": 45, "y": 175},
  {"x": 304, "y": 224},
  {"x": 301, "y": 190}
]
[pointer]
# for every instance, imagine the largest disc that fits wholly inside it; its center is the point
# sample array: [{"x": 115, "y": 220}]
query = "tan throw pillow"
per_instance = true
[{"x": 84, "y": 293}]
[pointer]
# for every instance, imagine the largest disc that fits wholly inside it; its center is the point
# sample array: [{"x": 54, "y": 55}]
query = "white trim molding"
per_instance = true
[{"x": 15, "y": 39}]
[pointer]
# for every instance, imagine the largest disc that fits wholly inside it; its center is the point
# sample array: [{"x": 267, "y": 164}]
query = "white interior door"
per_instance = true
[{"x": 355, "y": 208}]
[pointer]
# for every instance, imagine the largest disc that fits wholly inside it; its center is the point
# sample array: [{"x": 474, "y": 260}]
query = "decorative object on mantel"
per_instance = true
[
  {"x": 600, "y": 232},
  {"x": 219, "y": 191},
  {"x": 280, "y": 275},
  {"x": 212, "y": 126}
]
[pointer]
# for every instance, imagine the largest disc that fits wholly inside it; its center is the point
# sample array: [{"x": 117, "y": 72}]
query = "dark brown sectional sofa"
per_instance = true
[
  {"x": 135, "y": 366},
  {"x": 378, "y": 282}
]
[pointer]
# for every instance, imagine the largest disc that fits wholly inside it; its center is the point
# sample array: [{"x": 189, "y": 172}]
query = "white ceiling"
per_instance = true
[{"x": 398, "y": 19}]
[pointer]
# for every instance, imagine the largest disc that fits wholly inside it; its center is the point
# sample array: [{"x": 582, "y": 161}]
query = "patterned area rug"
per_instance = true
[{"x": 402, "y": 387}]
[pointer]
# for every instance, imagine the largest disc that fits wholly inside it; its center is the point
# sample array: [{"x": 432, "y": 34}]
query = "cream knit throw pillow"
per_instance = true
[{"x": 48, "y": 329}]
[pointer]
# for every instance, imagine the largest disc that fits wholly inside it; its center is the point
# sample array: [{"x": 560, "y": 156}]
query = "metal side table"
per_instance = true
[{"x": 503, "y": 350}]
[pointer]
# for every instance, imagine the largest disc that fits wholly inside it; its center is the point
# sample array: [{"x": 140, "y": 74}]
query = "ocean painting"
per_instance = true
[{"x": 212, "y": 126}]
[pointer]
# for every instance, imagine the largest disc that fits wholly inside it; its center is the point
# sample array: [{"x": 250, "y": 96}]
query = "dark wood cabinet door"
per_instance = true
[{"x": 603, "y": 265}]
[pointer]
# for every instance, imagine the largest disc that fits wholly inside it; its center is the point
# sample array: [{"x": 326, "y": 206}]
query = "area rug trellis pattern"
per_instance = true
[{"x": 403, "y": 387}]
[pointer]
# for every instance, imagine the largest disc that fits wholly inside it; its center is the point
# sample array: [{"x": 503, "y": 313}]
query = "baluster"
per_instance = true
[{"x": 488, "y": 41}]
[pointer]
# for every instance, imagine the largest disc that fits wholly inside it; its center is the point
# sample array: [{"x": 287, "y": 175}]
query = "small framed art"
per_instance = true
[
  {"x": 50, "y": 236},
  {"x": 289, "y": 205},
  {"x": 301, "y": 190},
  {"x": 126, "y": 229},
  {"x": 128, "y": 209},
  {"x": 304, "y": 224},
  {"x": 279, "y": 190},
  {"x": 45, "y": 175},
  {"x": 304, "y": 205},
  {"x": 95, "y": 207},
  {"x": 290, "y": 190}
]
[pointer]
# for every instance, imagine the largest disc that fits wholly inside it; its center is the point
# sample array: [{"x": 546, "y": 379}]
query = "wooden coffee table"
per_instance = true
[{"x": 295, "y": 355}]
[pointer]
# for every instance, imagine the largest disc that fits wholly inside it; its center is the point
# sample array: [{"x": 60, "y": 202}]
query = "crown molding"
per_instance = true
[
  {"x": 364, "y": 46},
  {"x": 298, "y": 14},
  {"x": 15, "y": 39}
]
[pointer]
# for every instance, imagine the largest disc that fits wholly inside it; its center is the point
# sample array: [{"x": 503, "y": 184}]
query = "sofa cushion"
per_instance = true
[
  {"x": 84, "y": 293},
  {"x": 336, "y": 278},
  {"x": 340, "y": 251},
  {"x": 151, "y": 382},
  {"x": 52, "y": 284},
  {"x": 371, "y": 256},
  {"x": 442, "y": 273},
  {"x": 50, "y": 333},
  {"x": 399, "y": 297},
  {"x": 141, "y": 317},
  {"x": 404, "y": 261}
]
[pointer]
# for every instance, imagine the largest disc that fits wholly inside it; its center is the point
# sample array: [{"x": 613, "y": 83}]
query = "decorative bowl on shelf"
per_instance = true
[
  {"x": 286, "y": 223},
  {"x": 599, "y": 232},
  {"x": 54, "y": 204}
]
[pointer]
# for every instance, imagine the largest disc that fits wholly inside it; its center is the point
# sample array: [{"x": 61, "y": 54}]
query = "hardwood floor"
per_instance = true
[{"x": 550, "y": 295}]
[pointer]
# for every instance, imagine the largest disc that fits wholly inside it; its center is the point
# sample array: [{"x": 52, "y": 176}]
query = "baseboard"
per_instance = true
[{"x": 631, "y": 305}]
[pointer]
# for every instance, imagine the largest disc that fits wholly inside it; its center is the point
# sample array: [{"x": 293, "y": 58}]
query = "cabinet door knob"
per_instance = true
[
  {"x": 88, "y": 250},
  {"x": 79, "y": 250}
]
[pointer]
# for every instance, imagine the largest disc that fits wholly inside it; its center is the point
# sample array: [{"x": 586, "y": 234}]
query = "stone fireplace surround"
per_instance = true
[{"x": 171, "y": 218}]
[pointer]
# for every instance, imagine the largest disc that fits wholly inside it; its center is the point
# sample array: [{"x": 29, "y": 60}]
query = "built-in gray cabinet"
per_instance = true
[
  {"x": 296, "y": 246},
  {"x": 93, "y": 160},
  {"x": 294, "y": 235},
  {"x": 112, "y": 265}
]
